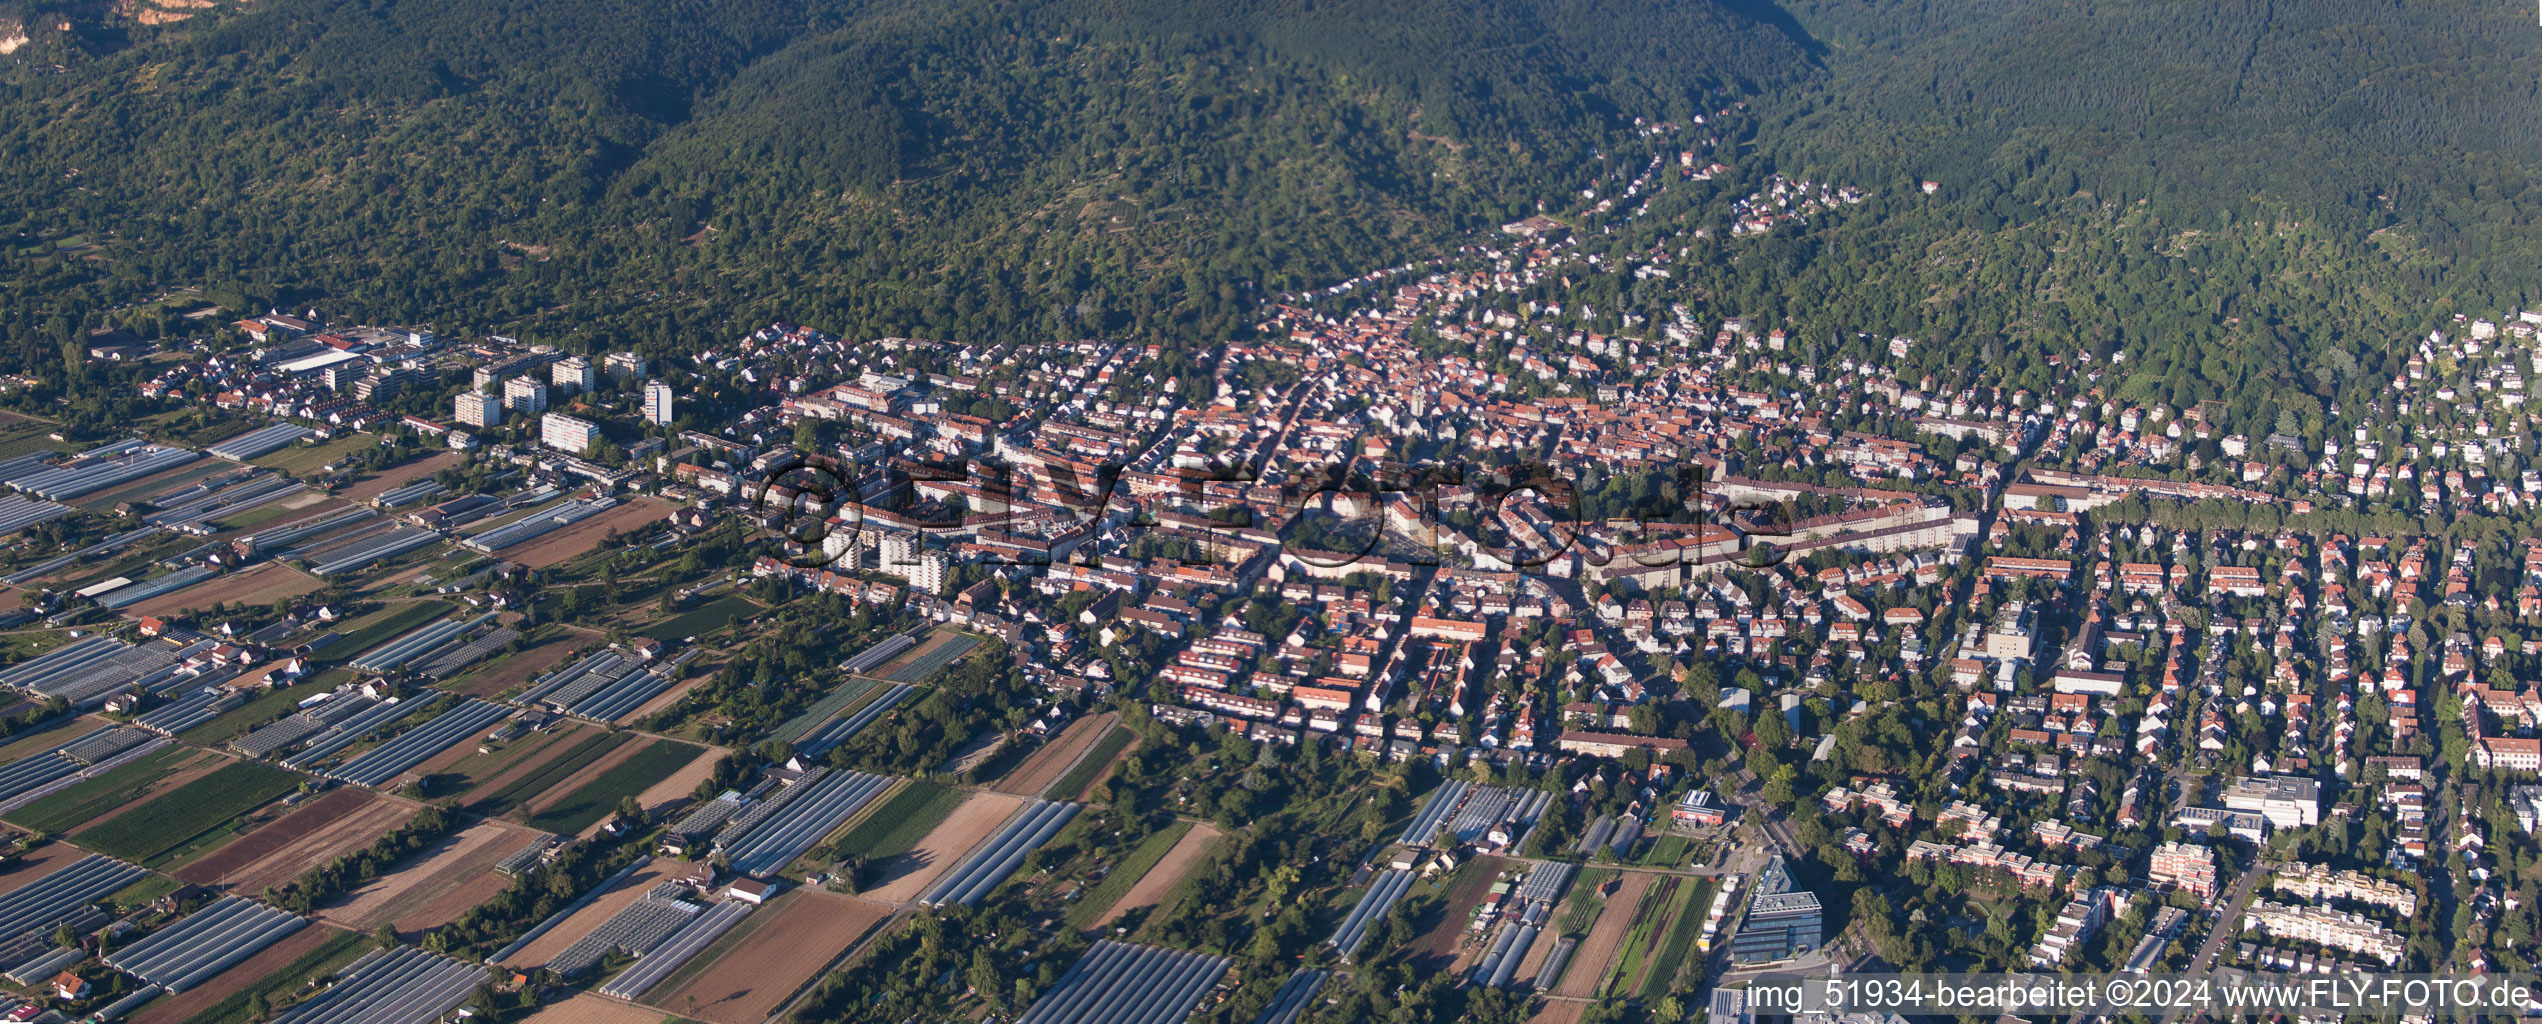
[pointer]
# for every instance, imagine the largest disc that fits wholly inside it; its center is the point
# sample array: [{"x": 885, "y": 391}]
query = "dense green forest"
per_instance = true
[{"x": 2227, "y": 191}]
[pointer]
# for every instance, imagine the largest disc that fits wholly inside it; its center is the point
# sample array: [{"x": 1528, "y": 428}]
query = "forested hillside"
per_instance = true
[
  {"x": 664, "y": 169},
  {"x": 2290, "y": 185}
]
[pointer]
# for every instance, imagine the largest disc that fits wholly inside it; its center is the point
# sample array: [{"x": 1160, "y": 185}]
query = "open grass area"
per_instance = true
[
  {"x": 173, "y": 819},
  {"x": 533, "y": 783},
  {"x": 1073, "y": 785},
  {"x": 703, "y": 619},
  {"x": 139, "y": 894},
  {"x": 896, "y": 826},
  {"x": 1126, "y": 874},
  {"x": 67, "y": 809},
  {"x": 601, "y": 795},
  {"x": 1665, "y": 902},
  {"x": 240, "y": 1006},
  {"x": 1666, "y": 851}
]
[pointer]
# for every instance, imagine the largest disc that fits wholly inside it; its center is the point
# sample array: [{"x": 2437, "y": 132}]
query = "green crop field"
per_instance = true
[
  {"x": 601, "y": 795},
  {"x": 703, "y": 619},
  {"x": 899, "y": 823},
  {"x": 592, "y": 748},
  {"x": 380, "y": 627},
  {"x": 67, "y": 809},
  {"x": 1670, "y": 955},
  {"x": 174, "y": 818}
]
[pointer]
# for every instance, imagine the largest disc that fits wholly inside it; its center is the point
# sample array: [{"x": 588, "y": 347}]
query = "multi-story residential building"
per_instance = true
[
  {"x": 573, "y": 375},
  {"x": 525, "y": 396},
  {"x": 477, "y": 409},
  {"x": 2184, "y": 866},
  {"x": 2009, "y": 638},
  {"x": 929, "y": 575},
  {"x": 567, "y": 434},
  {"x": 2080, "y": 919},
  {"x": 657, "y": 403},
  {"x": 2319, "y": 884},
  {"x": 626, "y": 367},
  {"x": 2322, "y": 926}
]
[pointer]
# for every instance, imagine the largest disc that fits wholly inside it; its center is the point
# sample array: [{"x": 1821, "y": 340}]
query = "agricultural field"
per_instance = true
[
  {"x": 592, "y": 1009},
  {"x": 703, "y": 619},
  {"x": 183, "y": 818},
  {"x": 124, "y": 786},
  {"x": 262, "y": 585},
  {"x": 1055, "y": 756},
  {"x": 305, "y": 459},
  {"x": 901, "y": 878},
  {"x": 592, "y": 915},
  {"x": 341, "y": 822},
  {"x": 1670, "y": 950},
  {"x": 550, "y": 647},
  {"x": 397, "y": 476},
  {"x": 564, "y": 544},
  {"x": 542, "y": 770},
  {"x": 1597, "y": 949},
  {"x": 276, "y": 971},
  {"x": 1140, "y": 879},
  {"x": 367, "y": 631},
  {"x": 265, "y": 707},
  {"x": 434, "y": 887},
  {"x": 1093, "y": 767},
  {"x": 593, "y": 792},
  {"x": 898, "y": 822},
  {"x": 786, "y": 946}
]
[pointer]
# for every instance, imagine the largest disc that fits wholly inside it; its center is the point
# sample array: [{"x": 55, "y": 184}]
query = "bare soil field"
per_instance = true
[
  {"x": 1598, "y": 948},
  {"x": 182, "y": 1006},
  {"x": 1560, "y": 1011},
  {"x": 399, "y": 476},
  {"x": 587, "y": 1008},
  {"x": 571, "y": 929},
  {"x": 1440, "y": 945},
  {"x": 1045, "y": 766},
  {"x": 583, "y": 536},
  {"x": 420, "y": 894},
  {"x": 1161, "y": 879},
  {"x": 681, "y": 786},
  {"x": 262, "y": 585},
  {"x": 338, "y": 823},
  {"x": 902, "y": 878},
  {"x": 759, "y": 974},
  {"x": 45, "y": 860},
  {"x": 519, "y": 669},
  {"x": 1534, "y": 962}
]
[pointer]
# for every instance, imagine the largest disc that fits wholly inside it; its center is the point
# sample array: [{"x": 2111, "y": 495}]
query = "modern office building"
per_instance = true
[{"x": 1783, "y": 921}]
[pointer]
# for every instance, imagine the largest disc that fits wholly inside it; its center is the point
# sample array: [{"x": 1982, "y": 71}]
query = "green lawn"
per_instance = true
[
  {"x": 64, "y": 810},
  {"x": 592, "y": 748},
  {"x": 174, "y": 818},
  {"x": 1125, "y": 874},
  {"x": 899, "y": 823},
  {"x": 601, "y": 795},
  {"x": 1080, "y": 776}
]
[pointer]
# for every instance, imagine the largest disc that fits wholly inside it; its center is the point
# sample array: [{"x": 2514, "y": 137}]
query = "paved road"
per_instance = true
[{"x": 2226, "y": 926}]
